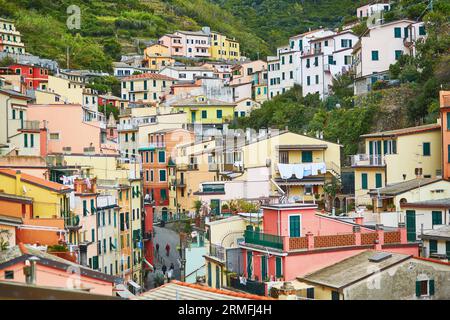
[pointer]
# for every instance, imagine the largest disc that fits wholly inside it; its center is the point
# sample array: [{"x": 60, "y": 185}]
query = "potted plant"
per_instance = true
[
  {"x": 225, "y": 208},
  {"x": 391, "y": 207}
]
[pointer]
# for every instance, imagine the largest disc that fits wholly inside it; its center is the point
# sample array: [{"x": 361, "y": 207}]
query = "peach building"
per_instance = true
[
  {"x": 444, "y": 97},
  {"x": 296, "y": 240},
  {"x": 66, "y": 132},
  {"x": 16, "y": 265}
]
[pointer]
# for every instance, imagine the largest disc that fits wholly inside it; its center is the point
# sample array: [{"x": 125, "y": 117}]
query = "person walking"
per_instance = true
[
  {"x": 167, "y": 249},
  {"x": 157, "y": 249},
  {"x": 169, "y": 275},
  {"x": 164, "y": 269}
]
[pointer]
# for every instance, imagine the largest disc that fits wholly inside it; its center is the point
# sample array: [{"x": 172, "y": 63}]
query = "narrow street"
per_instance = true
[{"x": 164, "y": 236}]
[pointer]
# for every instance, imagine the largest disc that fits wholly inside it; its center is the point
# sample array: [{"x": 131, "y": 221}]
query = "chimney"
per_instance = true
[
  {"x": 19, "y": 190},
  {"x": 359, "y": 220}
]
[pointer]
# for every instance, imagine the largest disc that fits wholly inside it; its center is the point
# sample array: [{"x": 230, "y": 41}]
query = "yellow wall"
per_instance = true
[
  {"x": 46, "y": 203},
  {"x": 155, "y": 89},
  {"x": 362, "y": 198},
  {"x": 70, "y": 92},
  {"x": 227, "y": 114},
  {"x": 223, "y": 48}
]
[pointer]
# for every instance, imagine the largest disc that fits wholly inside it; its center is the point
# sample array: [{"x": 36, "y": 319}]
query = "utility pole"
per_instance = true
[{"x": 67, "y": 58}]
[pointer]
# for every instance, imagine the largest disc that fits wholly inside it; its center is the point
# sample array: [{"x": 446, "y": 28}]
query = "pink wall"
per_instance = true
[
  {"x": 67, "y": 121},
  {"x": 51, "y": 277},
  {"x": 310, "y": 222}
]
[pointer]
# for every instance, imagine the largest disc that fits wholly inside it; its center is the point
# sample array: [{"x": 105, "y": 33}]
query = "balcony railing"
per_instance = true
[
  {"x": 30, "y": 125},
  {"x": 263, "y": 239},
  {"x": 250, "y": 286},
  {"x": 217, "y": 251},
  {"x": 72, "y": 221},
  {"x": 368, "y": 160}
]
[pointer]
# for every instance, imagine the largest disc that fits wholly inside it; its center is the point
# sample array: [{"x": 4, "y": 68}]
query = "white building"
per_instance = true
[
  {"x": 186, "y": 73},
  {"x": 379, "y": 47},
  {"x": 285, "y": 69},
  {"x": 325, "y": 58},
  {"x": 372, "y": 8},
  {"x": 122, "y": 69}
]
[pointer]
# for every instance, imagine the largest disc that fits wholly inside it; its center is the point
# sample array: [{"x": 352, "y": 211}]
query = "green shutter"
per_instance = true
[
  {"x": 397, "y": 32},
  {"x": 249, "y": 263},
  {"x": 433, "y": 246},
  {"x": 161, "y": 156},
  {"x": 448, "y": 153},
  {"x": 375, "y": 55},
  {"x": 219, "y": 114},
  {"x": 378, "y": 180},
  {"x": 426, "y": 149},
  {"x": 431, "y": 284},
  {"x": 25, "y": 140},
  {"x": 447, "y": 249},
  {"x": 411, "y": 225},
  {"x": 294, "y": 226},
  {"x": 217, "y": 277},
  {"x": 370, "y": 147},
  {"x": 448, "y": 120},
  {"x": 436, "y": 217},
  {"x": 417, "y": 288},
  {"x": 307, "y": 156},
  {"x": 263, "y": 268},
  {"x": 364, "y": 183},
  {"x": 385, "y": 146},
  {"x": 209, "y": 274},
  {"x": 279, "y": 271}
]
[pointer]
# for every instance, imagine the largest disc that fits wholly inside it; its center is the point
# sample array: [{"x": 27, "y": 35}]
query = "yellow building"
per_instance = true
[
  {"x": 136, "y": 229},
  {"x": 395, "y": 156},
  {"x": 222, "y": 236},
  {"x": 192, "y": 168},
  {"x": 223, "y": 48},
  {"x": 201, "y": 110},
  {"x": 295, "y": 149},
  {"x": 157, "y": 56},
  {"x": 146, "y": 87},
  {"x": 50, "y": 199}
]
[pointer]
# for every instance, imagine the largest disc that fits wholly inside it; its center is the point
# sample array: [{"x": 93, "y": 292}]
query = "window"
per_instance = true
[
  {"x": 263, "y": 268},
  {"x": 364, "y": 181},
  {"x": 398, "y": 53},
  {"x": 375, "y": 55},
  {"x": 54, "y": 136},
  {"x": 294, "y": 226},
  {"x": 397, "y": 32},
  {"x": 9, "y": 274},
  {"x": 161, "y": 156},
  {"x": 436, "y": 217},
  {"x": 426, "y": 149},
  {"x": 84, "y": 208},
  {"x": 204, "y": 114},
  {"x": 283, "y": 157},
  {"x": 448, "y": 121},
  {"x": 334, "y": 295},
  {"x": 378, "y": 180},
  {"x": 317, "y": 79},
  {"x": 278, "y": 267},
  {"x": 93, "y": 235},
  {"x": 163, "y": 194},
  {"x": 307, "y": 156},
  {"x": 310, "y": 293},
  {"x": 308, "y": 189},
  {"x": 219, "y": 114},
  {"x": 25, "y": 140},
  {"x": 162, "y": 175},
  {"x": 424, "y": 288},
  {"x": 422, "y": 31},
  {"x": 433, "y": 246},
  {"x": 308, "y": 80}
]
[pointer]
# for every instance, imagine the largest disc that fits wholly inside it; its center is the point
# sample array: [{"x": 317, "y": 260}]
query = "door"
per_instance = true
[
  {"x": 294, "y": 226},
  {"x": 193, "y": 116},
  {"x": 217, "y": 277},
  {"x": 164, "y": 214},
  {"x": 215, "y": 206},
  {"x": 263, "y": 268},
  {"x": 411, "y": 225},
  {"x": 278, "y": 267},
  {"x": 249, "y": 264}
]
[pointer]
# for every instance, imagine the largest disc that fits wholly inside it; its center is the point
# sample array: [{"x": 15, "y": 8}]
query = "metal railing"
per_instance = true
[
  {"x": 263, "y": 239},
  {"x": 30, "y": 125},
  {"x": 217, "y": 251},
  {"x": 367, "y": 160}
]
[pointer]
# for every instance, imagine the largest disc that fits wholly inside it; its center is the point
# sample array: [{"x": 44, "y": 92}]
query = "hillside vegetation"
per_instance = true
[{"x": 112, "y": 27}]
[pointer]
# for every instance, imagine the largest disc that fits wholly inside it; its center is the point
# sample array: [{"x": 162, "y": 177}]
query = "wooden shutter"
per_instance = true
[
  {"x": 278, "y": 271},
  {"x": 431, "y": 287},
  {"x": 364, "y": 185},
  {"x": 417, "y": 288},
  {"x": 436, "y": 217}
]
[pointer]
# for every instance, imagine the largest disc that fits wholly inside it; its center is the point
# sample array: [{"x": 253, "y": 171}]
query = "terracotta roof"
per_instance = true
[
  {"x": 432, "y": 260},
  {"x": 404, "y": 131},
  {"x": 188, "y": 291},
  {"x": 14, "y": 198},
  {"x": 153, "y": 76},
  {"x": 37, "y": 181}
]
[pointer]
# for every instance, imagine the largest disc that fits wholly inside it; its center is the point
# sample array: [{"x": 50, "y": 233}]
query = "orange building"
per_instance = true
[
  {"x": 444, "y": 97},
  {"x": 124, "y": 203},
  {"x": 158, "y": 164}
]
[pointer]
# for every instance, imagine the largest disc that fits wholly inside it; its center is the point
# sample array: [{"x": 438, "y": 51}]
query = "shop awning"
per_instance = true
[
  {"x": 134, "y": 284},
  {"x": 149, "y": 264}
]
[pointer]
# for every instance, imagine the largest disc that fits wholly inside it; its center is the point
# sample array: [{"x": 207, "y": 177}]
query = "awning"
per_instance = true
[
  {"x": 134, "y": 284},
  {"x": 149, "y": 264}
]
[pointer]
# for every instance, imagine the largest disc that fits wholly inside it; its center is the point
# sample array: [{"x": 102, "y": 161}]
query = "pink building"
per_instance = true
[
  {"x": 173, "y": 42},
  {"x": 190, "y": 44},
  {"x": 51, "y": 271},
  {"x": 67, "y": 132},
  {"x": 297, "y": 240}
]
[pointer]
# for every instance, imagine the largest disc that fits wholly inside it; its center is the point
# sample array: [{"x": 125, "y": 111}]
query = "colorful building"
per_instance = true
[
  {"x": 296, "y": 240},
  {"x": 223, "y": 48},
  {"x": 157, "y": 56},
  {"x": 10, "y": 38},
  {"x": 444, "y": 98},
  {"x": 35, "y": 77},
  {"x": 146, "y": 87}
]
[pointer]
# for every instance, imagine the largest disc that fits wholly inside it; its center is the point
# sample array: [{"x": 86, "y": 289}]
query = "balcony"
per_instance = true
[
  {"x": 72, "y": 222},
  {"x": 30, "y": 125},
  {"x": 193, "y": 167},
  {"x": 127, "y": 127},
  {"x": 218, "y": 252},
  {"x": 250, "y": 286},
  {"x": 263, "y": 239},
  {"x": 365, "y": 160},
  {"x": 213, "y": 167}
]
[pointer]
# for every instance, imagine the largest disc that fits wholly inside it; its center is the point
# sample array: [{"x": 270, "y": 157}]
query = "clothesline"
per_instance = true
[{"x": 300, "y": 170}]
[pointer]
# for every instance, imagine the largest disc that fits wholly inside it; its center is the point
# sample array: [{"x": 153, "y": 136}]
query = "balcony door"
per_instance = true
[
  {"x": 294, "y": 226},
  {"x": 375, "y": 152}
]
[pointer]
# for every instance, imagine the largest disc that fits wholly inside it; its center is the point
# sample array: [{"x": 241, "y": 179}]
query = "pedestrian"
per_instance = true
[
  {"x": 172, "y": 267},
  {"x": 169, "y": 274},
  {"x": 167, "y": 249},
  {"x": 164, "y": 269},
  {"x": 157, "y": 249}
]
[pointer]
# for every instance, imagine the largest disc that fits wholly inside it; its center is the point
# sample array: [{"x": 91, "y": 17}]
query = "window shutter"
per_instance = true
[
  {"x": 385, "y": 146},
  {"x": 431, "y": 284},
  {"x": 417, "y": 288}
]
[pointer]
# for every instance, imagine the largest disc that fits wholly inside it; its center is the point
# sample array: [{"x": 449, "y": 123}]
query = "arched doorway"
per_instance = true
[{"x": 164, "y": 214}]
